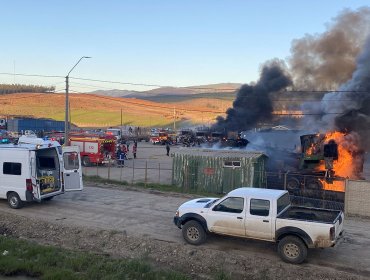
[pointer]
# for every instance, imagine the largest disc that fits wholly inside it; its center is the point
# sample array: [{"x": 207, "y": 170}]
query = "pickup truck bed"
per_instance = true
[{"x": 310, "y": 214}]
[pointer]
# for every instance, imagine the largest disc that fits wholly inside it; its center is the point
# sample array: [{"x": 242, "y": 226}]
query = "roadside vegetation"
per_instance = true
[{"x": 20, "y": 257}]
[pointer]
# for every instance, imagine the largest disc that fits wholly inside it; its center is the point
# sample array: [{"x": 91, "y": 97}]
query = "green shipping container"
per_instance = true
[{"x": 217, "y": 171}]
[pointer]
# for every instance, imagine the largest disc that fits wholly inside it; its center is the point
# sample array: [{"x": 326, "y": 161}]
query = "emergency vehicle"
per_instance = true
[
  {"x": 94, "y": 148},
  {"x": 37, "y": 170}
]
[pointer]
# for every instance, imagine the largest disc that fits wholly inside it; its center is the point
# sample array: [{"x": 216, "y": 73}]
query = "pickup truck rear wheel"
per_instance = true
[
  {"x": 194, "y": 233},
  {"x": 292, "y": 249}
]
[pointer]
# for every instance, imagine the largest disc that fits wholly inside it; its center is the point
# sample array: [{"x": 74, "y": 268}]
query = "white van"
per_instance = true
[{"x": 38, "y": 171}]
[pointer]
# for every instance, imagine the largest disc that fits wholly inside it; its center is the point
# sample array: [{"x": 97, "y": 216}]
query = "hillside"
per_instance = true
[
  {"x": 89, "y": 110},
  {"x": 172, "y": 91}
]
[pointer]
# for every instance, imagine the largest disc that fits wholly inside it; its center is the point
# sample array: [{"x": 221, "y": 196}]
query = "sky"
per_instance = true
[{"x": 161, "y": 42}]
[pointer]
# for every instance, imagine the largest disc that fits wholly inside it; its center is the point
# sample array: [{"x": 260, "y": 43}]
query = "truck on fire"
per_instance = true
[
  {"x": 262, "y": 214},
  {"x": 38, "y": 170}
]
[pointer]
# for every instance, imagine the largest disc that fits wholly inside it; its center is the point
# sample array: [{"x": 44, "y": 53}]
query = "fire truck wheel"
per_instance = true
[{"x": 86, "y": 161}]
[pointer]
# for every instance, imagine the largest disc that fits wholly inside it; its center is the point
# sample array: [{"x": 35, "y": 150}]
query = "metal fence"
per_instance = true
[
  {"x": 133, "y": 171},
  {"x": 305, "y": 190}
]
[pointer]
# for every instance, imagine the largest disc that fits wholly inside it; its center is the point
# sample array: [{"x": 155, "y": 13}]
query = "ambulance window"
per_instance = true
[
  {"x": 71, "y": 161},
  {"x": 46, "y": 162},
  {"x": 12, "y": 168}
]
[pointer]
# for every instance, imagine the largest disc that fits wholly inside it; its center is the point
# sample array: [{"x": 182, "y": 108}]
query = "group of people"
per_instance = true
[{"x": 123, "y": 150}]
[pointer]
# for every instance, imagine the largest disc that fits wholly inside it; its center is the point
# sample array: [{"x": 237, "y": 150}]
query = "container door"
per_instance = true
[{"x": 72, "y": 171}]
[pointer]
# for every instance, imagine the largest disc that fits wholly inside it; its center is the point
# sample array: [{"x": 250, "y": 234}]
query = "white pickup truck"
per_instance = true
[{"x": 262, "y": 214}]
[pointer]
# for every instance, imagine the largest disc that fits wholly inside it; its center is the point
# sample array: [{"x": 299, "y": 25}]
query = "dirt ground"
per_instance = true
[{"x": 131, "y": 223}]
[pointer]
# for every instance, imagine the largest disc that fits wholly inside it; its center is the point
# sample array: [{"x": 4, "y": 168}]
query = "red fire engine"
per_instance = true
[{"x": 94, "y": 148}]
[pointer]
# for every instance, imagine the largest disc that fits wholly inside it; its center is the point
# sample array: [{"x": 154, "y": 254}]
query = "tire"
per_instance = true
[
  {"x": 86, "y": 161},
  {"x": 14, "y": 201},
  {"x": 291, "y": 249},
  {"x": 194, "y": 233},
  {"x": 293, "y": 184}
]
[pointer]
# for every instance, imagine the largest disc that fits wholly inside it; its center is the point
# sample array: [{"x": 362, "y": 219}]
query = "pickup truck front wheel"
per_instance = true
[
  {"x": 292, "y": 250},
  {"x": 194, "y": 233}
]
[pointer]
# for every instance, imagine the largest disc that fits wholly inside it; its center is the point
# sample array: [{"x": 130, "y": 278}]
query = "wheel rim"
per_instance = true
[
  {"x": 192, "y": 233},
  {"x": 291, "y": 250},
  {"x": 13, "y": 201}
]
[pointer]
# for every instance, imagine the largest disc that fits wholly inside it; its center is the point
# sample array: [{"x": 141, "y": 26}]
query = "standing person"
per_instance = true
[
  {"x": 134, "y": 148},
  {"x": 168, "y": 148},
  {"x": 120, "y": 157}
]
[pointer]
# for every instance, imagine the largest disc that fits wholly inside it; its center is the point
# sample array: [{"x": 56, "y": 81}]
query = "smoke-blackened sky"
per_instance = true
[
  {"x": 325, "y": 61},
  {"x": 252, "y": 103}
]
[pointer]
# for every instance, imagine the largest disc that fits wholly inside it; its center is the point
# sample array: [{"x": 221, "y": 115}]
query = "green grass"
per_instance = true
[
  {"x": 151, "y": 186},
  {"x": 46, "y": 262}
]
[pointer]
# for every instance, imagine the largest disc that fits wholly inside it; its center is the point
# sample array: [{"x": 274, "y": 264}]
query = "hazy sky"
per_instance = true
[{"x": 177, "y": 43}]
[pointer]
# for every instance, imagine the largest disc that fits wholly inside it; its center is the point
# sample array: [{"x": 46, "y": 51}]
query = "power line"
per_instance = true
[
  {"x": 31, "y": 75},
  {"x": 189, "y": 87}
]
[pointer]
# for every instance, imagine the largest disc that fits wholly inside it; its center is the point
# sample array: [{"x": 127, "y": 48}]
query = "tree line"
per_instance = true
[{"x": 18, "y": 88}]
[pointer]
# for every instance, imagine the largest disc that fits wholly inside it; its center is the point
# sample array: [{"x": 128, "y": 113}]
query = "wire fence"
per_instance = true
[{"x": 305, "y": 190}]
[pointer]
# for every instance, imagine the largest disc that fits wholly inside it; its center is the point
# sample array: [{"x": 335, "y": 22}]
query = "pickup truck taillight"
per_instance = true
[
  {"x": 29, "y": 185},
  {"x": 332, "y": 233}
]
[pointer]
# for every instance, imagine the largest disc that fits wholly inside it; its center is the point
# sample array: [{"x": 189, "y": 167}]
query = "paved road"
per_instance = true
[{"x": 150, "y": 214}]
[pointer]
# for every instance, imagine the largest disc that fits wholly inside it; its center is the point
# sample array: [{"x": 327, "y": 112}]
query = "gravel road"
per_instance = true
[{"x": 139, "y": 215}]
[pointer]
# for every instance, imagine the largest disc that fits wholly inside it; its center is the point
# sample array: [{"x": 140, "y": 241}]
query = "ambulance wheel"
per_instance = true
[
  {"x": 86, "y": 161},
  {"x": 14, "y": 201}
]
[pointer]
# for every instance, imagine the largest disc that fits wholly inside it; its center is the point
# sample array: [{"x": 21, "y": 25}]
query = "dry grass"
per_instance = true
[{"x": 89, "y": 110}]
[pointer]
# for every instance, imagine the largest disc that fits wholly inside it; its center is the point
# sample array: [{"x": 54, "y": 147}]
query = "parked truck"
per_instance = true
[
  {"x": 96, "y": 148},
  {"x": 262, "y": 214},
  {"x": 37, "y": 170}
]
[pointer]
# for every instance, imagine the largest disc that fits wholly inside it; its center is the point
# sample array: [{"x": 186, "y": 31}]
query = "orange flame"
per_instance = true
[{"x": 347, "y": 164}]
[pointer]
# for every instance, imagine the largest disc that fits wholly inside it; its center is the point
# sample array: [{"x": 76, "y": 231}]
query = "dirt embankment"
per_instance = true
[{"x": 198, "y": 262}]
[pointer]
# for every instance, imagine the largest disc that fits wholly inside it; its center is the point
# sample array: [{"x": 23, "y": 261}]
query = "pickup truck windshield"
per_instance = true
[{"x": 282, "y": 203}]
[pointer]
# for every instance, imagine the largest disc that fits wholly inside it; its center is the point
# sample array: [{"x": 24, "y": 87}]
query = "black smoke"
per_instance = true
[
  {"x": 327, "y": 60},
  {"x": 253, "y": 104}
]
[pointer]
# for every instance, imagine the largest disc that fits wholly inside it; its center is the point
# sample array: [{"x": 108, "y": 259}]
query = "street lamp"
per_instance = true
[{"x": 66, "y": 121}]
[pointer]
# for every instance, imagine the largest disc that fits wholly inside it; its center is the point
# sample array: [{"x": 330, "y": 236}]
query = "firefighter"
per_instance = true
[
  {"x": 120, "y": 157},
  {"x": 168, "y": 148}
]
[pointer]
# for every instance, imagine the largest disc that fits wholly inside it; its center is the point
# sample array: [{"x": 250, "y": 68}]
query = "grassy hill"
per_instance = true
[{"x": 89, "y": 110}]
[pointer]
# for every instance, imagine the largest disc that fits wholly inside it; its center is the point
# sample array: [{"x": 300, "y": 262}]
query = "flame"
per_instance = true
[{"x": 347, "y": 164}]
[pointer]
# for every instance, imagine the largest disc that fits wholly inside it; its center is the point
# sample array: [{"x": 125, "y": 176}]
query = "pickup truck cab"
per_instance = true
[{"x": 262, "y": 214}]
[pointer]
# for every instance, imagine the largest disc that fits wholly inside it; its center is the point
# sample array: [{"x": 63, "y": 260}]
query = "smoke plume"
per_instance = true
[
  {"x": 325, "y": 61},
  {"x": 253, "y": 103}
]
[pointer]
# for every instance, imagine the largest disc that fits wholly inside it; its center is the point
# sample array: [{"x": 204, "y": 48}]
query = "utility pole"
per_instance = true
[
  {"x": 174, "y": 118},
  {"x": 66, "y": 121},
  {"x": 121, "y": 122}
]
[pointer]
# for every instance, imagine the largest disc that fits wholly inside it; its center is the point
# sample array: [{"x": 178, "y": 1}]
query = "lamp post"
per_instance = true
[{"x": 66, "y": 121}]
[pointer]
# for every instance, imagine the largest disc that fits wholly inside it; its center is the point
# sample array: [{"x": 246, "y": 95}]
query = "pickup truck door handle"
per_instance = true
[
  {"x": 265, "y": 221},
  {"x": 240, "y": 218}
]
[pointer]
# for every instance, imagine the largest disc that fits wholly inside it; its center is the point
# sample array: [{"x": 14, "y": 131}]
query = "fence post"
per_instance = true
[
  {"x": 345, "y": 197},
  {"x": 285, "y": 178},
  {"x": 109, "y": 170},
  {"x": 159, "y": 174},
  {"x": 121, "y": 171},
  {"x": 146, "y": 172},
  {"x": 133, "y": 172}
]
